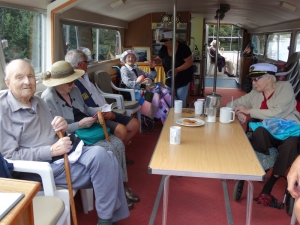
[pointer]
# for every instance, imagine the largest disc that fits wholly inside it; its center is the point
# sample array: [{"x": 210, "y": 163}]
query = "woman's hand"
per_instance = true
[
  {"x": 59, "y": 124},
  {"x": 109, "y": 116},
  {"x": 242, "y": 109},
  {"x": 152, "y": 64},
  {"x": 293, "y": 177},
  {"x": 87, "y": 122},
  {"x": 140, "y": 78},
  {"x": 62, "y": 146},
  {"x": 241, "y": 117}
]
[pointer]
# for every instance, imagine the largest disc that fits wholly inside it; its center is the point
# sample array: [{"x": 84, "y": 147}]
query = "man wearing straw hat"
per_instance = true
[{"x": 26, "y": 134}]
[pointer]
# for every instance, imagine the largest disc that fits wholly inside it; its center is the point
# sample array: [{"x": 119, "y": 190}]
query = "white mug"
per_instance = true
[
  {"x": 178, "y": 106},
  {"x": 198, "y": 107},
  {"x": 227, "y": 115},
  {"x": 175, "y": 135}
]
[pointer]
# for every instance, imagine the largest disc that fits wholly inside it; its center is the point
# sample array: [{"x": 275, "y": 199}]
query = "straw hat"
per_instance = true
[{"x": 61, "y": 73}]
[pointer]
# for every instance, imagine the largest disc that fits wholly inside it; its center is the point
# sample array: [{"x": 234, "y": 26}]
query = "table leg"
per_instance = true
[
  {"x": 249, "y": 202},
  {"x": 165, "y": 200}
]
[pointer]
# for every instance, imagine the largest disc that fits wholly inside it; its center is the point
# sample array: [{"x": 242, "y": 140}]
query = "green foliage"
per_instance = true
[
  {"x": 228, "y": 31},
  {"x": 16, "y": 27}
]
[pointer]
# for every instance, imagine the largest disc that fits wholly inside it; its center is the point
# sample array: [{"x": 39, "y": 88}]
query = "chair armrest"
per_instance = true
[
  {"x": 119, "y": 99},
  {"x": 42, "y": 168},
  {"x": 287, "y": 72},
  {"x": 131, "y": 91}
]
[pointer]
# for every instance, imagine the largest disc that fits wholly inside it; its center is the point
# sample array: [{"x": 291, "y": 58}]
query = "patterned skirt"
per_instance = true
[{"x": 117, "y": 147}]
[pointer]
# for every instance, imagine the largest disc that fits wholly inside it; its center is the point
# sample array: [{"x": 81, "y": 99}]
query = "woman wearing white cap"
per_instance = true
[
  {"x": 270, "y": 99},
  {"x": 183, "y": 65},
  {"x": 157, "y": 98}
]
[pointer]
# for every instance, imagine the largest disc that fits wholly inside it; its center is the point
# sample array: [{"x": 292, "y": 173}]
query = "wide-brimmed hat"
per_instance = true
[
  {"x": 259, "y": 69},
  {"x": 61, "y": 73},
  {"x": 124, "y": 54}
]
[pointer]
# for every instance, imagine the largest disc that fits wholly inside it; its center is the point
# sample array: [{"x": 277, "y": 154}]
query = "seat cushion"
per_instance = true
[
  {"x": 121, "y": 111},
  {"x": 47, "y": 210},
  {"x": 131, "y": 104}
]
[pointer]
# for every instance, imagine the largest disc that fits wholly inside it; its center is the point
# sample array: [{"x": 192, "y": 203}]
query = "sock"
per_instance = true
[
  {"x": 269, "y": 185},
  {"x": 104, "y": 222}
]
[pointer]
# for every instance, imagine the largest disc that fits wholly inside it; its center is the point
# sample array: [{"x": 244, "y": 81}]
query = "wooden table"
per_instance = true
[
  {"x": 214, "y": 150},
  {"x": 22, "y": 213}
]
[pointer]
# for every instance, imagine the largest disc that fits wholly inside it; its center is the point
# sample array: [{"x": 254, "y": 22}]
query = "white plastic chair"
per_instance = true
[
  {"x": 105, "y": 86},
  {"x": 49, "y": 189}
]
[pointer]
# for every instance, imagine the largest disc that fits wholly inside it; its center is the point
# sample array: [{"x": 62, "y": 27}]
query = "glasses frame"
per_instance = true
[{"x": 255, "y": 79}]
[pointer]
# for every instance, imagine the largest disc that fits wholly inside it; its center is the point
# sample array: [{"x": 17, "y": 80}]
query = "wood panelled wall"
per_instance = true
[{"x": 139, "y": 32}]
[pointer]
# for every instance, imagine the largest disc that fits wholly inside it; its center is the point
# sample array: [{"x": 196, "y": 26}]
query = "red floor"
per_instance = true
[{"x": 196, "y": 201}]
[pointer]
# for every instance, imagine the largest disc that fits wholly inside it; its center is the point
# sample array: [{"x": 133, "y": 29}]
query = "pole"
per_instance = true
[
  {"x": 69, "y": 182},
  {"x": 216, "y": 55},
  {"x": 173, "y": 52}
]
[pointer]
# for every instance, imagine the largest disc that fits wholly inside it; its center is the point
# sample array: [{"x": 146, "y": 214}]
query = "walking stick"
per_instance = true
[
  {"x": 102, "y": 122},
  {"x": 69, "y": 182}
]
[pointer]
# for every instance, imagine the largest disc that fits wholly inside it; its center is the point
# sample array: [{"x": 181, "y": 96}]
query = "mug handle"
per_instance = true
[{"x": 233, "y": 116}]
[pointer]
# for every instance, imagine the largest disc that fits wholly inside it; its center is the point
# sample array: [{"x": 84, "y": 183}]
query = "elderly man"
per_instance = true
[
  {"x": 123, "y": 127},
  {"x": 26, "y": 134}
]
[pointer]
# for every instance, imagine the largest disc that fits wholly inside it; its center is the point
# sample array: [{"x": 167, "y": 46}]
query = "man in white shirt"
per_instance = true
[{"x": 123, "y": 127}]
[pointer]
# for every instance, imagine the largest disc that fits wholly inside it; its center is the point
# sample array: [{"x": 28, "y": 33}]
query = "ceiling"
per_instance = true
[{"x": 245, "y": 13}]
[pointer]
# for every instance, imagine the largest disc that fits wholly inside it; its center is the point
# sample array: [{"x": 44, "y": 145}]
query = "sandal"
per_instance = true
[{"x": 264, "y": 199}]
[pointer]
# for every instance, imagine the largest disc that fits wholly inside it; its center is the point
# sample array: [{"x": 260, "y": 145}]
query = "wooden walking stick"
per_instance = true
[
  {"x": 102, "y": 122},
  {"x": 69, "y": 182}
]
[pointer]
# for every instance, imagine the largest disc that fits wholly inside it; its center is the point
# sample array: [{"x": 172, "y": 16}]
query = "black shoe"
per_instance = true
[
  {"x": 129, "y": 161},
  {"x": 130, "y": 195},
  {"x": 130, "y": 204}
]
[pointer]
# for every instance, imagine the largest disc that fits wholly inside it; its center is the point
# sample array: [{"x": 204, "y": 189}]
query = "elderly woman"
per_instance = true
[
  {"x": 157, "y": 99},
  {"x": 222, "y": 61},
  {"x": 269, "y": 99},
  {"x": 64, "y": 99}
]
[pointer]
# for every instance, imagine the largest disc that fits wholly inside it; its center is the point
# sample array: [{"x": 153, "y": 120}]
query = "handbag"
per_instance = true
[{"x": 92, "y": 134}]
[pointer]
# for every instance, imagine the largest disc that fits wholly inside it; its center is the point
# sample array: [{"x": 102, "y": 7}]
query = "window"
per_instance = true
[
  {"x": 298, "y": 42},
  {"x": 97, "y": 43},
  {"x": 278, "y": 46},
  {"x": 258, "y": 42},
  {"x": 21, "y": 36}
]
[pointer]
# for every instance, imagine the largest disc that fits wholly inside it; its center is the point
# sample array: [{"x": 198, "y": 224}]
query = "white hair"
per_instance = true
[
  {"x": 74, "y": 57},
  {"x": 266, "y": 76},
  {"x": 12, "y": 64}
]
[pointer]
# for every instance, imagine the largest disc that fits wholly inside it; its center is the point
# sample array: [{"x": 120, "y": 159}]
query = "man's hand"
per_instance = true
[
  {"x": 59, "y": 124},
  {"x": 87, "y": 122},
  {"x": 109, "y": 116},
  {"x": 62, "y": 146},
  {"x": 293, "y": 177}
]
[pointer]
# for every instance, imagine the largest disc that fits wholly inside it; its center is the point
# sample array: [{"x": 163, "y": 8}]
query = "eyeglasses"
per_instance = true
[
  {"x": 86, "y": 62},
  {"x": 70, "y": 83},
  {"x": 255, "y": 79}
]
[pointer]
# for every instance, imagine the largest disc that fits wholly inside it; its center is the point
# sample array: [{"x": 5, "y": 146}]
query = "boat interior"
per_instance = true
[{"x": 106, "y": 28}]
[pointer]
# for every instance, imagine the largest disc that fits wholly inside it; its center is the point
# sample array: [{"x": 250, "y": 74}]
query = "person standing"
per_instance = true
[{"x": 183, "y": 65}]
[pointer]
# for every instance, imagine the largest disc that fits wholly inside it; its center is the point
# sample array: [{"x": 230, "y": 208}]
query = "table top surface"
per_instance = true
[
  {"x": 214, "y": 150},
  {"x": 29, "y": 188}
]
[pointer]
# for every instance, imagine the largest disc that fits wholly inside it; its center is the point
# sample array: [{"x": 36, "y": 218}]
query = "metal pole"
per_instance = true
[
  {"x": 173, "y": 51},
  {"x": 216, "y": 55}
]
